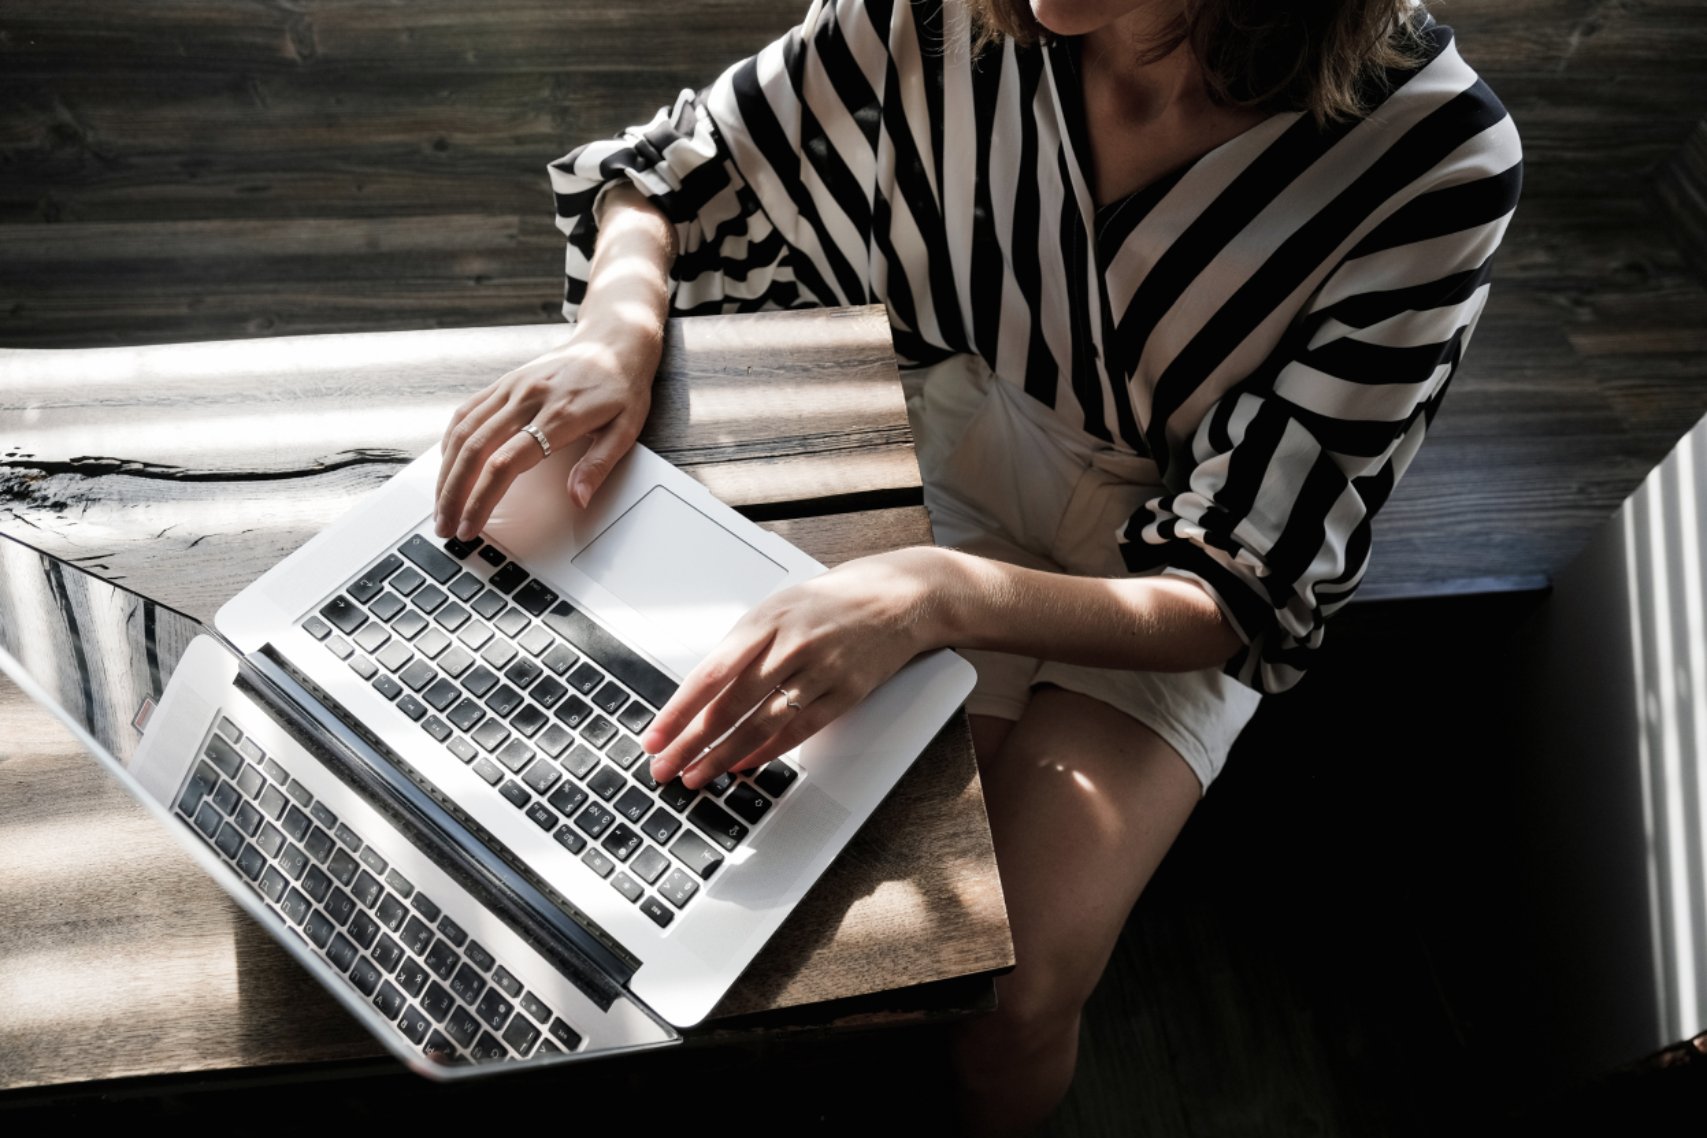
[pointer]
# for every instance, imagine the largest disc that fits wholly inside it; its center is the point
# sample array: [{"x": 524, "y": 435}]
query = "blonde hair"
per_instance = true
[{"x": 1324, "y": 57}]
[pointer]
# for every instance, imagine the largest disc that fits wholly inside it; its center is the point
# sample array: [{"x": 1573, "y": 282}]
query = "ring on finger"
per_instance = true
[
  {"x": 788, "y": 696},
  {"x": 539, "y": 437}
]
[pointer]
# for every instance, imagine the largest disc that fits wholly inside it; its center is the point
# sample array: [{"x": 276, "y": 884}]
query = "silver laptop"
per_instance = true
[{"x": 416, "y": 762}]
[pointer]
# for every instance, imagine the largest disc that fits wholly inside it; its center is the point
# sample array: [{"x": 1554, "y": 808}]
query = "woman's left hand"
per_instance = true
[{"x": 826, "y": 643}]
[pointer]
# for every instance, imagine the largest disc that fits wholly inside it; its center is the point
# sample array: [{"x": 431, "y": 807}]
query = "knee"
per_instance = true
[{"x": 1038, "y": 1006}]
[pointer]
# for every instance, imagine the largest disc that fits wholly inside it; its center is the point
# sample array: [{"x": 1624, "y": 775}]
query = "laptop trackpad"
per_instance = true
[{"x": 685, "y": 572}]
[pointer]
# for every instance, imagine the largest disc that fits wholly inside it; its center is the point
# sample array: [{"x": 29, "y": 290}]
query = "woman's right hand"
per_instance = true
[{"x": 598, "y": 385}]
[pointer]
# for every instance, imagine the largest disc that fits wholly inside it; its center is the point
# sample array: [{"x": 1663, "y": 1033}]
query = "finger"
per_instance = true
[
  {"x": 517, "y": 453},
  {"x": 769, "y": 716},
  {"x": 714, "y": 673},
  {"x": 737, "y": 756},
  {"x": 609, "y": 445},
  {"x": 464, "y": 424},
  {"x": 720, "y": 715},
  {"x": 470, "y": 462}
]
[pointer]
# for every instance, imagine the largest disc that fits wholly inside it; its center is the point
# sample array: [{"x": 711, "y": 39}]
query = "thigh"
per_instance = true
[{"x": 1084, "y": 801}]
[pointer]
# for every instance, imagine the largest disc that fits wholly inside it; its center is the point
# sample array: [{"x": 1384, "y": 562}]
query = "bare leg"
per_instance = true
[{"x": 1084, "y": 801}]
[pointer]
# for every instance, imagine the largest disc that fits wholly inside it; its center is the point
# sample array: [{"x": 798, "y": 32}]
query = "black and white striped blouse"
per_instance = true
[{"x": 1274, "y": 324}]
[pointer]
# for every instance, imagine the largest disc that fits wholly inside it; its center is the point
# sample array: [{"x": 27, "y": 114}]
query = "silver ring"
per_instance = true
[
  {"x": 778, "y": 690},
  {"x": 539, "y": 437}
]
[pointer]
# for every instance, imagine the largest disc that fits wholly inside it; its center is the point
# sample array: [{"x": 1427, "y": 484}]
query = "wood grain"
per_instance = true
[{"x": 184, "y": 471}]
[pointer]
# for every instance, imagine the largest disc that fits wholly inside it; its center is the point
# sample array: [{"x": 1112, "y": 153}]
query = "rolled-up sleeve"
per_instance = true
[{"x": 1287, "y": 471}]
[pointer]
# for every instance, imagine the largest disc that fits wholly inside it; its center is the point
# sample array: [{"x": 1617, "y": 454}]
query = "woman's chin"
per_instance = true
[{"x": 1076, "y": 17}]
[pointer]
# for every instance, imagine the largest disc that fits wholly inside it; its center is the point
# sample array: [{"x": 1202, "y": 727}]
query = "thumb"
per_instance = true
[{"x": 608, "y": 447}]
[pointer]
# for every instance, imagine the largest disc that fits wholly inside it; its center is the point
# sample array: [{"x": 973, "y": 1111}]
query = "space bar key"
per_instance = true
[{"x": 610, "y": 653}]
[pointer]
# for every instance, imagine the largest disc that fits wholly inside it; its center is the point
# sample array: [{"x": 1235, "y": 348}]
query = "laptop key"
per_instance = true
[
  {"x": 636, "y": 717},
  {"x": 627, "y": 886},
  {"x": 418, "y": 675},
  {"x": 466, "y": 587},
  {"x": 511, "y": 621},
  {"x": 633, "y": 803},
  {"x": 452, "y": 932},
  {"x": 455, "y": 662},
  {"x": 487, "y": 1049},
  {"x": 372, "y": 637},
  {"x": 431, "y": 642},
  {"x": 462, "y": 1026},
  {"x": 567, "y": 798},
  {"x": 621, "y": 842},
  {"x": 548, "y": 692},
  {"x": 437, "y": 1002},
  {"x": 460, "y": 549},
  {"x": 490, "y": 735},
  {"x": 719, "y": 825},
  {"x": 564, "y": 1034},
  {"x": 319, "y": 929},
  {"x": 675, "y": 795},
  {"x": 654, "y": 908},
  {"x": 439, "y": 1049},
  {"x": 225, "y": 797},
  {"x": 489, "y": 604},
  {"x": 272, "y": 802},
  {"x": 661, "y": 826},
  {"x": 775, "y": 777},
  {"x": 430, "y": 599},
  {"x": 401, "y": 884},
  {"x": 678, "y": 888},
  {"x": 541, "y": 777},
  {"x": 480, "y": 680},
  {"x": 607, "y": 783},
  {"x": 504, "y": 700},
  {"x": 436, "y": 727},
  {"x": 432, "y": 560},
  {"x": 363, "y": 929},
  {"x": 516, "y": 793},
  {"x": 509, "y": 577},
  {"x": 424, "y": 905},
  {"x": 412, "y": 707},
  {"x": 586, "y": 678},
  {"x": 385, "y": 606},
  {"x": 407, "y": 581},
  {"x": 558, "y": 660},
  {"x": 610, "y": 698},
  {"x": 467, "y": 714},
  {"x": 387, "y": 953},
  {"x": 528, "y": 721},
  {"x": 488, "y": 770},
  {"x": 462, "y": 749},
  {"x": 498, "y": 653},
  {"x": 747, "y": 802},
  {"x": 293, "y": 861},
  {"x": 251, "y": 861},
  {"x": 536, "y": 640},
  {"x": 535, "y": 598},
  {"x": 494, "y": 1009},
  {"x": 718, "y": 785},
  {"x": 339, "y": 906},
  {"x": 554, "y": 741},
  {"x": 467, "y": 984},
  {"x": 316, "y": 884},
  {"x": 295, "y": 906},
  {"x": 362, "y": 666},
  {"x": 412, "y": 977},
  {"x": 341, "y": 952},
  {"x": 343, "y": 614},
  {"x": 443, "y": 960},
  {"x": 409, "y": 625},
  {"x": 366, "y": 976},
  {"x": 580, "y": 761},
  {"x": 598, "y": 862},
  {"x": 492, "y": 555},
  {"x": 391, "y": 913},
  {"x": 623, "y": 752},
  {"x": 452, "y": 617},
  {"x": 521, "y": 1036},
  {"x": 533, "y": 1006},
  {"x": 317, "y": 628},
  {"x": 697, "y": 854},
  {"x": 648, "y": 865},
  {"x": 569, "y": 839},
  {"x": 416, "y": 935},
  {"x": 475, "y": 634},
  {"x": 274, "y": 884},
  {"x": 542, "y": 817},
  {"x": 387, "y": 686},
  {"x": 414, "y": 1024},
  {"x": 395, "y": 657},
  {"x": 342, "y": 866},
  {"x": 594, "y": 820},
  {"x": 339, "y": 647},
  {"x": 574, "y": 712},
  {"x": 319, "y": 845},
  {"x": 598, "y": 731}
]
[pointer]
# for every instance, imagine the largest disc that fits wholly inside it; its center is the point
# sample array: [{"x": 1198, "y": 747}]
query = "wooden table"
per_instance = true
[{"x": 183, "y": 471}]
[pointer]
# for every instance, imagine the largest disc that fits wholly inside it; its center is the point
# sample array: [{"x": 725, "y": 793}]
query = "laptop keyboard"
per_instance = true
[
  {"x": 443, "y": 991},
  {"x": 545, "y": 706}
]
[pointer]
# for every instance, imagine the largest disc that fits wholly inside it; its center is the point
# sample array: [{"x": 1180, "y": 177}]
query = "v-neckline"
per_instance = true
[{"x": 1064, "y": 52}]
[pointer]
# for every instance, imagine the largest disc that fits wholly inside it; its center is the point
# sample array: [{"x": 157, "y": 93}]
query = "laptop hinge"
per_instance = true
[{"x": 470, "y": 854}]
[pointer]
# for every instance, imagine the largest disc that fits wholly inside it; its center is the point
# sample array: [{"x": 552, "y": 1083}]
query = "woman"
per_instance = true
[{"x": 1183, "y": 282}]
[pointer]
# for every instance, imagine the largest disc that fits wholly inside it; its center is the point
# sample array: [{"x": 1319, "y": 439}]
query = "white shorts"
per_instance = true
[{"x": 1007, "y": 478}]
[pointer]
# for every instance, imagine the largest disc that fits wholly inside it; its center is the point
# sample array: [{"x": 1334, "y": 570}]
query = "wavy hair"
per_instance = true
[{"x": 1325, "y": 57}]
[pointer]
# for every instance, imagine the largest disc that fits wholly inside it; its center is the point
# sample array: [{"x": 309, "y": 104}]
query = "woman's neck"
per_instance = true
[{"x": 1109, "y": 59}]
